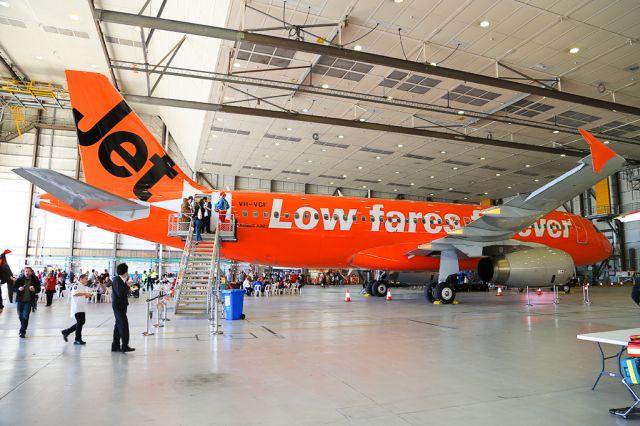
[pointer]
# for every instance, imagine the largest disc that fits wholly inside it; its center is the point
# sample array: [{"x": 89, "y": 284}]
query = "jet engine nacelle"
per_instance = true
[{"x": 536, "y": 267}]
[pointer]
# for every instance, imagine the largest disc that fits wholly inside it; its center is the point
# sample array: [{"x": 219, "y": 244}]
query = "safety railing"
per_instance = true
[
  {"x": 179, "y": 225},
  {"x": 184, "y": 259}
]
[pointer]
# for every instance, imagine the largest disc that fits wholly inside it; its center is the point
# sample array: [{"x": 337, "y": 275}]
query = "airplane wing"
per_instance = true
[
  {"x": 629, "y": 217},
  {"x": 82, "y": 196},
  {"x": 499, "y": 224}
]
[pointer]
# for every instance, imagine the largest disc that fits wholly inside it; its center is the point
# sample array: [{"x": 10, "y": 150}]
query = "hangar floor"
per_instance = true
[{"x": 314, "y": 359}]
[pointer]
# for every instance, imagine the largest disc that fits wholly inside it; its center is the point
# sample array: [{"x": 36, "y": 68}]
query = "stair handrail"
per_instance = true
[
  {"x": 186, "y": 253},
  {"x": 213, "y": 293}
]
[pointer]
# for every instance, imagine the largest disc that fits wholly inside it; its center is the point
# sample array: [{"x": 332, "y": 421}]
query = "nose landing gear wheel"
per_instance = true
[
  {"x": 379, "y": 288},
  {"x": 369, "y": 288},
  {"x": 445, "y": 293}
]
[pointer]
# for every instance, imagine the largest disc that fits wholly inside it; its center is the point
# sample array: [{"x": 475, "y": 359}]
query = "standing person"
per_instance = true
[
  {"x": 207, "y": 215},
  {"x": 198, "y": 216},
  {"x": 6, "y": 276},
  {"x": 119, "y": 303},
  {"x": 72, "y": 277},
  {"x": 145, "y": 280},
  {"x": 50, "y": 287},
  {"x": 92, "y": 277},
  {"x": 79, "y": 295},
  {"x": 153, "y": 278},
  {"x": 221, "y": 207},
  {"x": 26, "y": 288}
]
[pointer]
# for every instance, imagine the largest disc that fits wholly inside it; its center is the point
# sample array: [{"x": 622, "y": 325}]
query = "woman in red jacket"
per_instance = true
[{"x": 50, "y": 287}]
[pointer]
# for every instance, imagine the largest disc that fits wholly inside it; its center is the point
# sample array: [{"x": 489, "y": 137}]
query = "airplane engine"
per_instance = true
[{"x": 536, "y": 267}]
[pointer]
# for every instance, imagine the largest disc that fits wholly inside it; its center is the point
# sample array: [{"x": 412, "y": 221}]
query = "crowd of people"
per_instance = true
[{"x": 258, "y": 283}]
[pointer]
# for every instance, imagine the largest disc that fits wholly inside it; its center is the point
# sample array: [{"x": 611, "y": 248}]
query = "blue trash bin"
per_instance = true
[{"x": 233, "y": 301}]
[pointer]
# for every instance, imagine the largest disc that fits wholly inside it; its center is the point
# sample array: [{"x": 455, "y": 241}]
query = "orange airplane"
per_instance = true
[{"x": 133, "y": 187}]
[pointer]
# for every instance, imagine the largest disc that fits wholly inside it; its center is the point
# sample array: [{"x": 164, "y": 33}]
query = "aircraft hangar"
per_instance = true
[{"x": 417, "y": 211}]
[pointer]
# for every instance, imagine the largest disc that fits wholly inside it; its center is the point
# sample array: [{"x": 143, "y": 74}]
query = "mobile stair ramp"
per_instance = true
[{"x": 197, "y": 289}]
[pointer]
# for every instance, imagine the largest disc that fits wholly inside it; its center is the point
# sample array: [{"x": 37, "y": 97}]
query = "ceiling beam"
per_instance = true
[
  {"x": 321, "y": 49},
  {"x": 256, "y": 112}
]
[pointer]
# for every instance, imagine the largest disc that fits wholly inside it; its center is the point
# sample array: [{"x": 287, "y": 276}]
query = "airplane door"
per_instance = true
[{"x": 581, "y": 232}]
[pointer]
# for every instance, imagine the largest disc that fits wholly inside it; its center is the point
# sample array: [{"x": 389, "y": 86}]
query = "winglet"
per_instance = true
[{"x": 600, "y": 153}]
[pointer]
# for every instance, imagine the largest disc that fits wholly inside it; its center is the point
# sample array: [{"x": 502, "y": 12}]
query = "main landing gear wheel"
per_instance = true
[
  {"x": 567, "y": 289},
  {"x": 379, "y": 288},
  {"x": 445, "y": 293},
  {"x": 429, "y": 292}
]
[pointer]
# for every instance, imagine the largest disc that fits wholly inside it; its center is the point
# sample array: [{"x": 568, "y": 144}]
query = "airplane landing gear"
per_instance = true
[
  {"x": 445, "y": 293},
  {"x": 429, "y": 292},
  {"x": 379, "y": 288}
]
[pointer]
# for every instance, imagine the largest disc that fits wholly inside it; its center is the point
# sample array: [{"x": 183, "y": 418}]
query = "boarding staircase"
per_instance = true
[{"x": 197, "y": 287}]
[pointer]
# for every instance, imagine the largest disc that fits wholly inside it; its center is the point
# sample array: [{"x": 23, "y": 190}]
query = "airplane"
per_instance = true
[{"x": 132, "y": 187}]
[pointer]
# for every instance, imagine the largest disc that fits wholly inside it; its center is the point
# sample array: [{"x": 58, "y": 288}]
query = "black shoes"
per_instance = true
[
  {"x": 115, "y": 349},
  {"x": 64, "y": 336},
  {"x": 79, "y": 342},
  {"x": 22, "y": 335},
  {"x": 126, "y": 349}
]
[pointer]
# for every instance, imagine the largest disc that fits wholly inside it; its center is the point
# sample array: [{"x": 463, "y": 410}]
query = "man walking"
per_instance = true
[
  {"x": 26, "y": 288},
  {"x": 79, "y": 295},
  {"x": 6, "y": 276},
  {"x": 119, "y": 303}
]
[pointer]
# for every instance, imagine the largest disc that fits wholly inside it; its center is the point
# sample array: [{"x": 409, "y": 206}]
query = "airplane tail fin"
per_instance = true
[{"x": 119, "y": 154}]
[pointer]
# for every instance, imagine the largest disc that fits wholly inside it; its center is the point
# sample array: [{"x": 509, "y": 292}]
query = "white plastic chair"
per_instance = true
[
  {"x": 295, "y": 288},
  {"x": 106, "y": 297},
  {"x": 267, "y": 290},
  {"x": 256, "y": 290}
]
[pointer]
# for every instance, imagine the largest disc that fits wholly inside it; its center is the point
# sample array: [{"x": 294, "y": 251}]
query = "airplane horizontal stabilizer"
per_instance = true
[{"x": 82, "y": 196}]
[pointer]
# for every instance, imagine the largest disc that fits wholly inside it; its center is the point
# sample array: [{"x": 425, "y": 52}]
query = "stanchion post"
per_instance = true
[
  {"x": 528, "y": 297},
  {"x": 555, "y": 295},
  {"x": 157, "y": 324},
  {"x": 585, "y": 294},
  {"x": 147, "y": 332}
]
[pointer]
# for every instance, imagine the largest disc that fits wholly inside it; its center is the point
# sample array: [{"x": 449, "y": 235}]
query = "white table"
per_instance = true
[{"x": 614, "y": 337}]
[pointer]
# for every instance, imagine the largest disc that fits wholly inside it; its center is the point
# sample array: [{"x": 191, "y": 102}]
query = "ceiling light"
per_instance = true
[
  {"x": 527, "y": 165},
  {"x": 250, "y": 174},
  {"x": 266, "y": 156},
  {"x": 485, "y": 24},
  {"x": 482, "y": 158},
  {"x": 509, "y": 187},
  {"x": 39, "y": 58},
  {"x": 399, "y": 145},
  {"x": 258, "y": 166},
  {"x": 455, "y": 168},
  {"x": 324, "y": 150},
  {"x": 357, "y": 47},
  {"x": 397, "y": 172},
  {"x": 465, "y": 198},
  {"x": 389, "y": 98},
  {"x": 378, "y": 157},
  {"x": 325, "y": 86},
  {"x": 497, "y": 174},
  {"x": 289, "y": 129},
  {"x": 450, "y": 189},
  {"x": 556, "y": 132},
  {"x": 364, "y": 186},
  {"x": 277, "y": 143},
  {"x": 536, "y": 180},
  {"x": 563, "y": 155},
  {"x": 237, "y": 65},
  {"x": 432, "y": 177},
  {"x": 486, "y": 193},
  {"x": 362, "y": 119},
  {"x": 431, "y": 194},
  {"x": 412, "y": 184},
  {"x": 433, "y": 64},
  {"x": 461, "y": 112},
  {"x": 214, "y": 136},
  {"x": 359, "y": 167},
  {"x": 74, "y": 17},
  {"x": 398, "y": 1},
  {"x": 344, "y": 176},
  {"x": 288, "y": 178},
  {"x": 4, "y": 4},
  {"x": 606, "y": 142},
  {"x": 309, "y": 161},
  {"x": 379, "y": 180},
  {"x": 209, "y": 149},
  {"x": 297, "y": 170},
  {"x": 330, "y": 183},
  {"x": 395, "y": 190},
  {"x": 94, "y": 66},
  {"x": 443, "y": 152},
  {"x": 226, "y": 98},
  {"x": 219, "y": 118},
  {"x": 340, "y": 137},
  {"x": 574, "y": 50},
  {"x": 305, "y": 110}
]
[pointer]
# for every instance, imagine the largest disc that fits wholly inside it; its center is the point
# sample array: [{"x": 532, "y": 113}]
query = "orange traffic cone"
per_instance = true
[
  {"x": 347, "y": 296},
  {"x": 389, "y": 294},
  {"x": 499, "y": 291},
  {"x": 539, "y": 292}
]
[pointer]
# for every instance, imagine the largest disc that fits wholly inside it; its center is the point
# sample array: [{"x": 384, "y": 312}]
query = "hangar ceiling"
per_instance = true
[{"x": 526, "y": 42}]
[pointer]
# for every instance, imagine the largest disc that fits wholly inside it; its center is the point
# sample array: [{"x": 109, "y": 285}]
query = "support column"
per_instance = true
[
  {"x": 617, "y": 184},
  {"x": 34, "y": 163}
]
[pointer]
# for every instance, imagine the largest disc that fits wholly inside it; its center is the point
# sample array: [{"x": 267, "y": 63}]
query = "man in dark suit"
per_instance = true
[
  {"x": 119, "y": 303},
  {"x": 26, "y": 289}
]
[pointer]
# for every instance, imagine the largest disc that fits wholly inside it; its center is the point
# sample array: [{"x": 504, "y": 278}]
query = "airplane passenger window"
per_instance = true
[
  {"x": 336, "y": 217},
  {"x": 439, "y": 221},
  {"x": 344, "y": 217},
  {"x": 364, "y": 218},
  {"x": 381, "y": 218},
  {"x": 326, "y": 217},
  {"x": 432, "y": 221},
  {"x": 355, "y": 218},
  {"x": 266, "y": 214},
  {"x": 373, "y": 219},
  {"x": 276, "y": 214},
  {"x": 316, "y": 216},
  {"x": 296, "y": 215},
  {"x": 255, "y": 213},
  {"x": 306, "y": 215},
  {"x": 415, "y": 220},
  {"x": 389, "y": 219},
  {"x": 245, "y": 213},
  {"x": 446, "y": 221},
  {"x": 424, "y": 220},
  {"x": 286, "y": 215}
]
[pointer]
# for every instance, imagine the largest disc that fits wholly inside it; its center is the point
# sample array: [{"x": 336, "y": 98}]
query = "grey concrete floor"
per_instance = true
[{"x": 314, "y": 359}]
